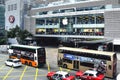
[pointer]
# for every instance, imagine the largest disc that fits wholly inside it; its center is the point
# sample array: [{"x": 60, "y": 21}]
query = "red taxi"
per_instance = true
[
  {"x": 89, "y": 75},
  {"x": 60, "y": 75}
]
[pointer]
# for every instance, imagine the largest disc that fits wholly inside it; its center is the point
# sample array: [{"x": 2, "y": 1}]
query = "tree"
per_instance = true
[
  {"x": 13, "y": 32},
  {"x": 2, "y": 40},
  {"x": 18, "y": 33}
]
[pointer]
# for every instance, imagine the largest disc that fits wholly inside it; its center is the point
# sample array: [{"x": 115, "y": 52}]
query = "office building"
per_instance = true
[
  {"x": 66, "y": 18},
  {"x": 2, "y": 1},
  {"x": 76, "y": 19},
  {"x": 15, "y": 12},
  {"x": 2, "y": 19}
]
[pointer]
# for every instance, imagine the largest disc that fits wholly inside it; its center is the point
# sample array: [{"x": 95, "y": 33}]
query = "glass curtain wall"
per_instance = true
[
  {"x": 2, "y": 20},
  {"x": 87, "y": 25}
]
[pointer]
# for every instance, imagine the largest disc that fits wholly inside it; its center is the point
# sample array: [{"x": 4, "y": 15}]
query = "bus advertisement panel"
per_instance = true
[
  {"x": 30, "y": 55},
  {"x": 84, "y": 59}
]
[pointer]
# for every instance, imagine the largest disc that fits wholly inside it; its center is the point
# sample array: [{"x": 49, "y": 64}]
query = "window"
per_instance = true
[
  {"x": 85, "y": 74},
  {"x": 109, "y": 67},
  {"x": 87, "y": 64},
  {"x": 61, "y": 76},
  {"x": 16, "y": 61},
  {"x": 40, "y": 21},
  {"x": 15, "y": 6},
  {"x": 67, "y": 75},
  {"x": 8, "y": 7},
  {"x": 11, "y": 7},
  {"x": 90, "y": 74},
  {"x": 55, "y": 76},
  {"x": 67, "y": 60}
]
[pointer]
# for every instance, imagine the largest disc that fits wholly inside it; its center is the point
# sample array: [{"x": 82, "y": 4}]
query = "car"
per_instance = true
[
  {"x": 13, "y": 62},
  {"x": 60, "y": 75},
  {"x": 118, "y": 77},
  {"x": 89, "y": 75}
]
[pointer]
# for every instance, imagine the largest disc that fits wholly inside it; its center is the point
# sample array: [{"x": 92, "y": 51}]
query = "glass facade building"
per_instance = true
[
  {"x": 72, "y": 24},
  {"x": 2, "y": 19},
  {"x": 73, "y": 17}
]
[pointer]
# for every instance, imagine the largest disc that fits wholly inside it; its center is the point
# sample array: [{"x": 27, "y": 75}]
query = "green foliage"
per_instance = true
[
  {"x": 18, "y": 33},
  {"x": 2, "y": 40}
]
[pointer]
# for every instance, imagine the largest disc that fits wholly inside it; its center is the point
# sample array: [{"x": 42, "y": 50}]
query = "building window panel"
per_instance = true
[
  {"x": 11, "y": 7},
  {"x": 8, "y": 7},
  {"x": 99, "y": 19},
  {"x": 40, "y": 21},
  {"x": 15, "y": 6}
]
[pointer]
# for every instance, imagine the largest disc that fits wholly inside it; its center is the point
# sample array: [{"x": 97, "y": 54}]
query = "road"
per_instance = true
[{"x": 29, "y": 73}]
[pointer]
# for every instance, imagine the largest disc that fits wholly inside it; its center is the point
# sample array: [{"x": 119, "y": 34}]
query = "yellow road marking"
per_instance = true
[
  {"x": 5, "y": 77},
  {"x": 23, "y": 72},
  {"x": 48, "y": 66},
  {"x": 60, "y": 69},
  {"x": 1, "y": 67},
  {"x": 24, "y": 76},
  {"x": 36, "y": 74},
  {"x": 15, "y": 71}
]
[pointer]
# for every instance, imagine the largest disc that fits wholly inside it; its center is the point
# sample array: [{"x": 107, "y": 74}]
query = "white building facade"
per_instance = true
[
  {"x": 67, "y": 18},
  {"x": 14, "y": 13}
]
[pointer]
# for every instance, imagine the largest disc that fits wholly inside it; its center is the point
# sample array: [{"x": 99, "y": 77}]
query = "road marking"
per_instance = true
[
  {"x": 24, "y": 76},
  {"x": 60, "y": 68},
  {"x": 23, "y": 72},
  {"x": 36, "y": 74},
  {"x": 5, "y": 77},
  {"x": 48, "y": 66},
  {"x": 1, "y": 67},
  {"x": 5, "y": 70}
]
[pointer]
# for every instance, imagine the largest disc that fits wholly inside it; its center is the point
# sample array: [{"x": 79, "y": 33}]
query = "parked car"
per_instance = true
[
  {"x": 60, "y": 75},
  {"x": 13, "y": 62},
  {"x": 89, "y": 75}
]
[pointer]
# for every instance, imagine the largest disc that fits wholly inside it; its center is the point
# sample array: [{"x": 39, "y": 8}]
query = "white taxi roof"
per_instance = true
[
  {"x": 62, "y": 72},
  {"x": 91, "y": 72}
]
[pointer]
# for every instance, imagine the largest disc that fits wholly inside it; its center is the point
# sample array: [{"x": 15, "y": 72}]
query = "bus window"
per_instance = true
[
  {"x": 67, "y": 60},
  {"x": 109, "y": 67},
  {"x": 87, "y": 64}
]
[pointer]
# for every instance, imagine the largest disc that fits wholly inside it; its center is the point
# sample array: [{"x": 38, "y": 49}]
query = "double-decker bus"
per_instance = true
[
  {"x": 84, "y": 59},
  {"x": 30, "y": 55}
]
